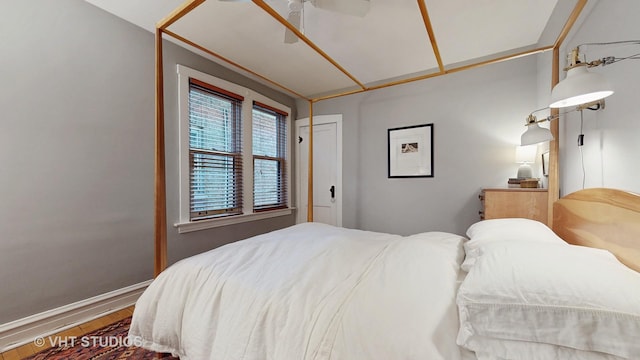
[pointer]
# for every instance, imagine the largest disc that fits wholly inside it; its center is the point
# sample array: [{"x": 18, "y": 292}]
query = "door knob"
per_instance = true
[{"x": 332, "y": 190}]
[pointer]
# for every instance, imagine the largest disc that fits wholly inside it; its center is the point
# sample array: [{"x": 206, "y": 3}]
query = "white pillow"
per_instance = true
[
  {"x": 488, "y": 232},
  {"x": 564, "y": 295},
  {"x": 492, "y": 349}
]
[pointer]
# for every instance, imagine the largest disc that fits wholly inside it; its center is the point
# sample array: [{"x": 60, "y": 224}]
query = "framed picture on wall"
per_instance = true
[
  {"x": 410, "y": 151},
  {"x": 545, "y": 163}
]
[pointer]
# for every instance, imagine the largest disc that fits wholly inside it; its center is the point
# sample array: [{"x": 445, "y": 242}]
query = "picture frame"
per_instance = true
[
  {"x": 545, "y": 163},
  {"x": 410, "y": 151}
]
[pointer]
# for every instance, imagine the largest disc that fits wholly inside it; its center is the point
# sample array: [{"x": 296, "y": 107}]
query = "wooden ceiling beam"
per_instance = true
[
  {"x": 554, "y": 147},
  {"x": 499, "y": 59},
  {"x": 189, "y": 5},
  {"x": 306, "y": 40},
  {"x": 178, "y": 13},
  {"x": 436, "y": 74},
  {"x": 160, "y": 184},
  {"x": 232, "y": 63},
  {"x": 432, "y": 36},
  {"x": 573, "y": 17}
]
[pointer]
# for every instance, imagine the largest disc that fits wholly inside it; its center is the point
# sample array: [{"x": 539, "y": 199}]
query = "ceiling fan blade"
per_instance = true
[
  {"x": 293, "y": 19},
  {"x": 349, "y": 7}
]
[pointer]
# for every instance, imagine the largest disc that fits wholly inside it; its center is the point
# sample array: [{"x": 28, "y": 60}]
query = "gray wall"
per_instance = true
[
  {"x": 76, "y": 155},
  {"x": 478, "y": 116}
]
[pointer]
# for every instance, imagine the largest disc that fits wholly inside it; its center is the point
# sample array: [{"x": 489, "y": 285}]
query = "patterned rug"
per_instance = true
[{"x": 107, "y": 343}]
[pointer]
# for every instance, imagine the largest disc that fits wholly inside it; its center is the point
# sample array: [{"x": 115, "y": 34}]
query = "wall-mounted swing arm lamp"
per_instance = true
[
  {"x": 536, "y": 134},
  {"x": 581, "y": 86}
]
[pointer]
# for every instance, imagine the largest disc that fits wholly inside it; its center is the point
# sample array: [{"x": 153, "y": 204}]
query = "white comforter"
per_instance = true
[{"x": 311, "y": 291}]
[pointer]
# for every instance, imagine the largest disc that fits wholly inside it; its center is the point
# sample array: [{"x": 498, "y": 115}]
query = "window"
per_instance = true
[
  {"x": 234, "y": 146},
  {"x": 269, "y": 152},
  {"x": 215, "y": 151}
]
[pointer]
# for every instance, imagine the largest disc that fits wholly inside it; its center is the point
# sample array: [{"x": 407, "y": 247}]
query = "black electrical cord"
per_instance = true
[{"x": 580, "y": 143}]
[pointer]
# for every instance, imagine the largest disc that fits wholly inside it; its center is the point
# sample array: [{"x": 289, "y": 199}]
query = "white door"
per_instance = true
[{"x": 327, "y": 169}]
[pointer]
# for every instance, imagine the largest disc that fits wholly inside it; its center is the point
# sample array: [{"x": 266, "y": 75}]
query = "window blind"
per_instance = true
[
  {"x": 215, "y": 151},
  {"x": 269, "y": 155}
]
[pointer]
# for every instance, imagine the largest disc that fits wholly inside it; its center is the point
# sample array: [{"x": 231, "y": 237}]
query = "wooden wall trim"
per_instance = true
[
  {"x": 554, "y": 145},
  {"x": 310, "y": 171},
  {"x": 554, "y": 173},
  {"x": 160, "y": 229}
]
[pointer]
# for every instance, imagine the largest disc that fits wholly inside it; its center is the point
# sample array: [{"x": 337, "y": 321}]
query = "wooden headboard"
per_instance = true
[{"x": 601, "y": 218}]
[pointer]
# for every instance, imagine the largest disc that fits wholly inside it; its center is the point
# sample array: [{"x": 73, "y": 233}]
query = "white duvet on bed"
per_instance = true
[{"x": 311, "y": 291}]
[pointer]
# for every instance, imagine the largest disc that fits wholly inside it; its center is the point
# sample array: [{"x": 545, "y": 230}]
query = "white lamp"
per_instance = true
[
  {"x": 526, "y": 155},
  {"x": 535, "y": 134},
  {"x": 581, "y": 86}
]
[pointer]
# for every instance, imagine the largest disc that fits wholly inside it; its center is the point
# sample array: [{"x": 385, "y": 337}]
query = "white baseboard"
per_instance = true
[{"x": 25, "y": 330}]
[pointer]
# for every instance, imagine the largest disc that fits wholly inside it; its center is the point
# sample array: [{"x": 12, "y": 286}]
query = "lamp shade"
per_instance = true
[
  {"x": 526, "y": 154},
  {"x": 535, "y": 134},
  {"x": 580, "y": 87}
]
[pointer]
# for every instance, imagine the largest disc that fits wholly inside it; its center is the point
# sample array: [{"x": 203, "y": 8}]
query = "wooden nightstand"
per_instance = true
[{"x": 529, "y": 203}]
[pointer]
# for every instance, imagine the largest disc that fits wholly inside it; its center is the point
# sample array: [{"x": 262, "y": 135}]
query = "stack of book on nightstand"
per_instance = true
[
  {"x": 514, "y": 182},
  {"x": 523, "y": 182}
]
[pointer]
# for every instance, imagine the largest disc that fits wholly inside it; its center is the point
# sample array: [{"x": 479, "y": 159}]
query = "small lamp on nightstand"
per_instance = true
[{"x": 526, "y": 155}]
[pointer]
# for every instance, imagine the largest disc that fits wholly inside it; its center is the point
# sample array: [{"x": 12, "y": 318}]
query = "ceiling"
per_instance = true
[{"x": 390, "y": 43}]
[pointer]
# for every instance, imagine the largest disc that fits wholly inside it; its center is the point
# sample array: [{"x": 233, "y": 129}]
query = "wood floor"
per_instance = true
[{"x": 80, "y": 330}]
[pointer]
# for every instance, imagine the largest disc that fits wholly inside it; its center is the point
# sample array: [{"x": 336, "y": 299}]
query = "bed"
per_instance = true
[{"x": 509, "y": 289}]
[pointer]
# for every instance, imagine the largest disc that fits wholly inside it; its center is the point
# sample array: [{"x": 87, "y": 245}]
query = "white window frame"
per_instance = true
[{"x": 185, "y": 224}]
